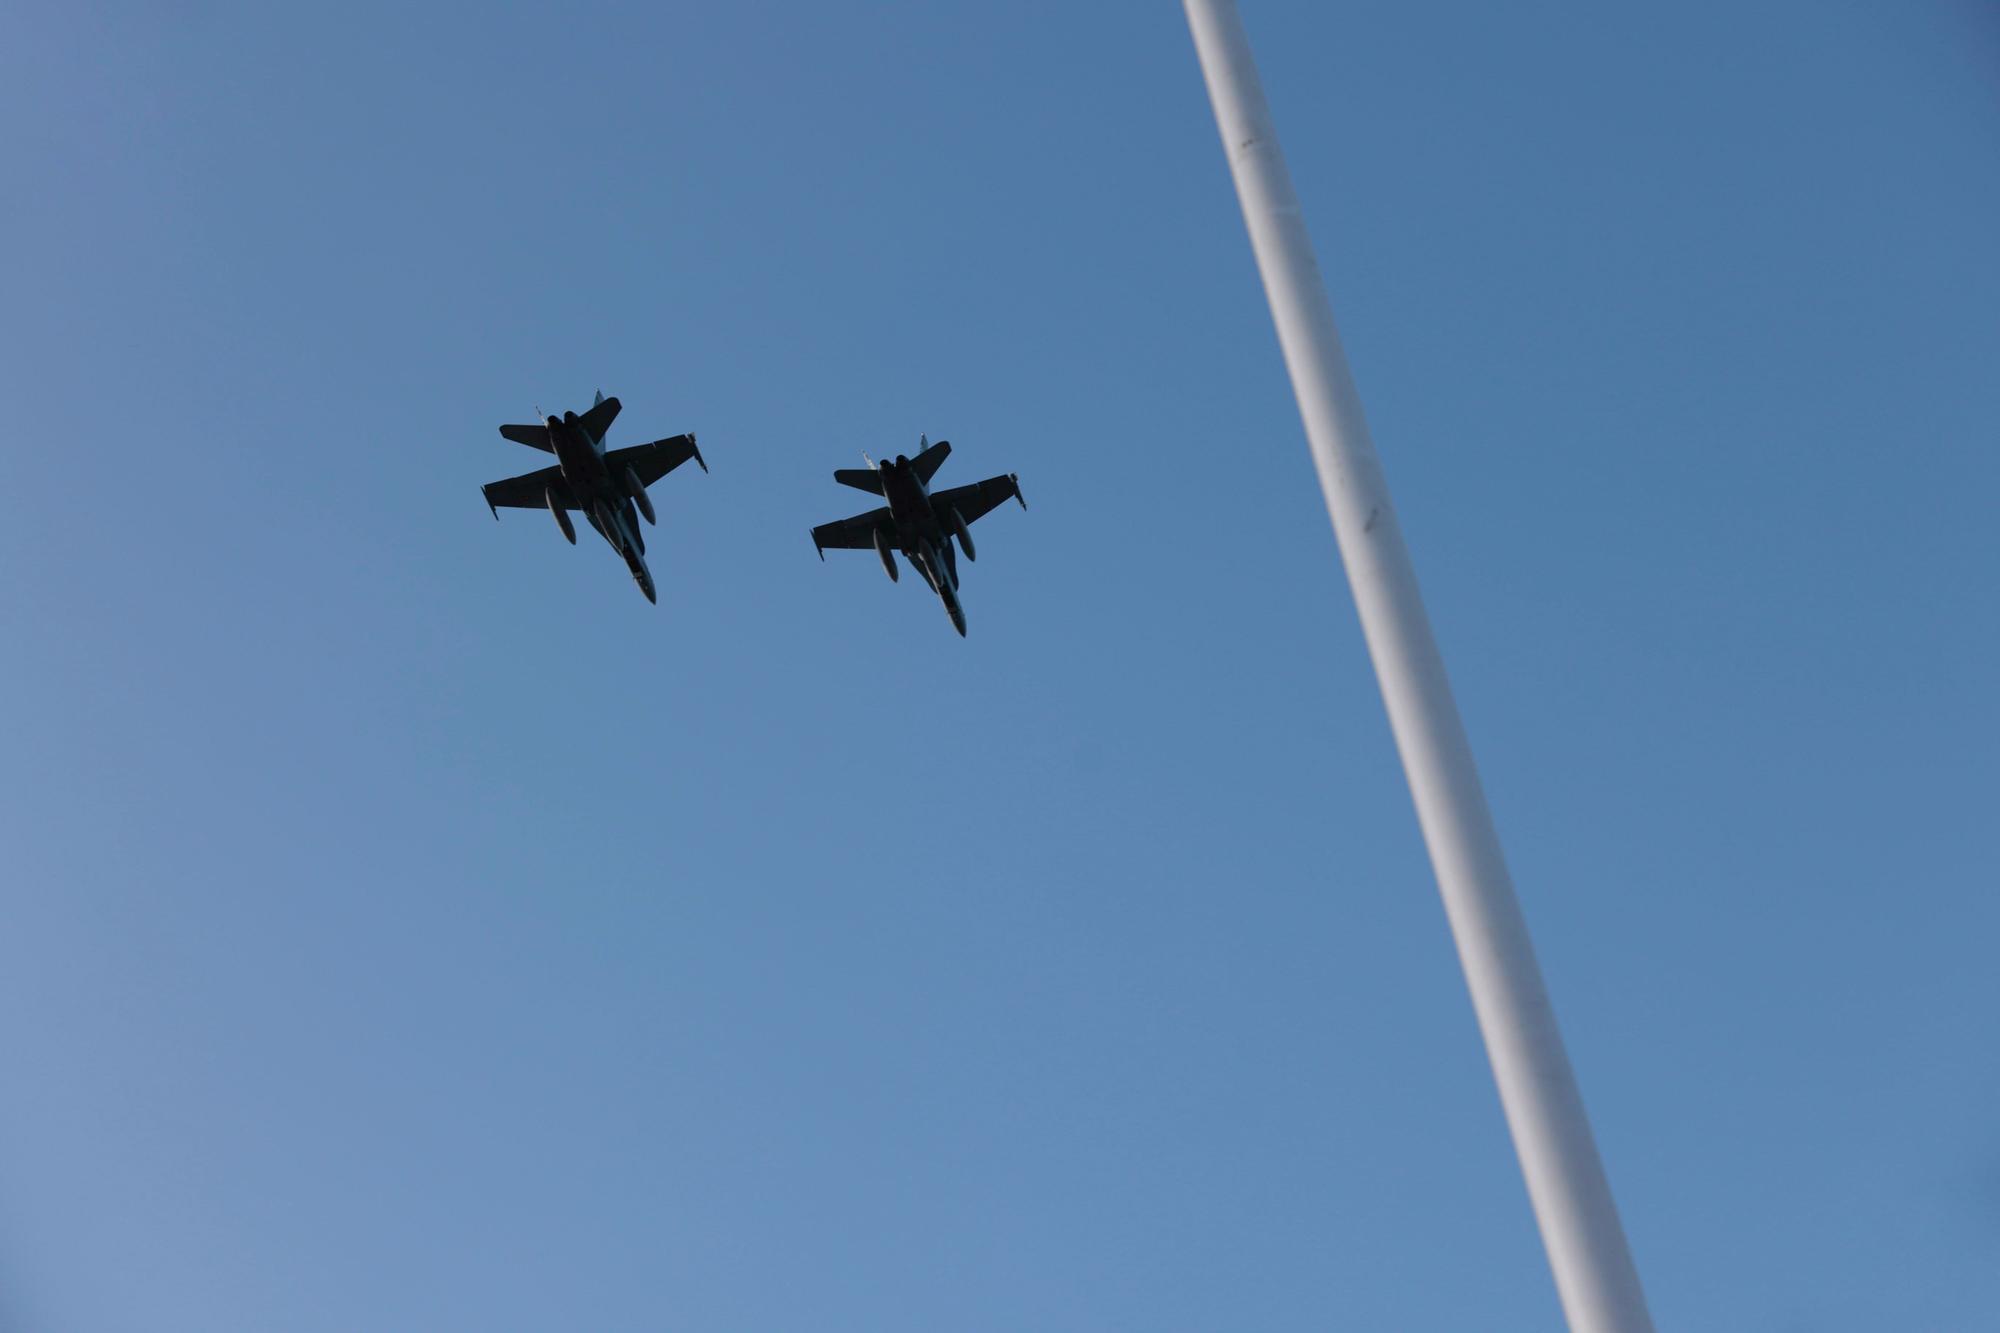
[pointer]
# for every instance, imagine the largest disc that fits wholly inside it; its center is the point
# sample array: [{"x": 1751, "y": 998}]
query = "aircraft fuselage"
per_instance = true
[
  {"x": 923, "y": 539},
  {"x": 602, "y": 496},
  {"x": 909, "y": 501}
]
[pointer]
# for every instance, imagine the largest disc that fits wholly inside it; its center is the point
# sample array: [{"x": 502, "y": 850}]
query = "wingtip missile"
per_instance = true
[
  {"x": 1019, "y": 498},
  {"x": 697, "y": 452}
]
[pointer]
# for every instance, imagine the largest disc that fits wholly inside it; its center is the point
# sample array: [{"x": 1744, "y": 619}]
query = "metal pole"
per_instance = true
[{"x": 1595, "y": 1278}]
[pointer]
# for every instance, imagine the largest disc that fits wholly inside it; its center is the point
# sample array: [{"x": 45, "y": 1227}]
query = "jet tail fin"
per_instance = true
[{"x": 861, "y": 479}]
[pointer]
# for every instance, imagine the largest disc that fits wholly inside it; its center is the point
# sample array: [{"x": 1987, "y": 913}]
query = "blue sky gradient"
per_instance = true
[{"x": 410, "y": 928}]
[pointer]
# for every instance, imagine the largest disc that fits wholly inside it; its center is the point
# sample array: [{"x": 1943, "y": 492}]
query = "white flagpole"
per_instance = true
[{"x": 1595, "y": 1277}]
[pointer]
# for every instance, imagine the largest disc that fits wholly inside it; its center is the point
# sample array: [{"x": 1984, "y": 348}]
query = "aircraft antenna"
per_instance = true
[{"x": 1595, "y": 1276}]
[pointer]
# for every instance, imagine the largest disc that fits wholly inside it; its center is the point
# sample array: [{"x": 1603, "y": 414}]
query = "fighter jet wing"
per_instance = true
[
  {"x": 853, "y": 534},
  {"x": 655, "y": 460},
  {"x": 599, "y": 418},
  {"x": 978, "y": 499},
  {"x": 530, "y": 490}
]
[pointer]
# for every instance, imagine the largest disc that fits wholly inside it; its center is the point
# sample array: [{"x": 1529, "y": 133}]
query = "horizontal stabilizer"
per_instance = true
[
  {"x": 535, "y": 437},
  {"x": 860, "y": 478},
  {"x": 599, "y": 418},
  {"x": 931, "y": 459}
]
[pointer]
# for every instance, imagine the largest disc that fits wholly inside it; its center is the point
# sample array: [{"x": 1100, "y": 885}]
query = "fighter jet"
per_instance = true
[
  {"x": 608, "y": 487},
  {"x": 915, "y": 521}
]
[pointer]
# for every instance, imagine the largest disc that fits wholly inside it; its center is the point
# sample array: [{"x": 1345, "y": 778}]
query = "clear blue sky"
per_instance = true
[{"x": 407, "y": 927}]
